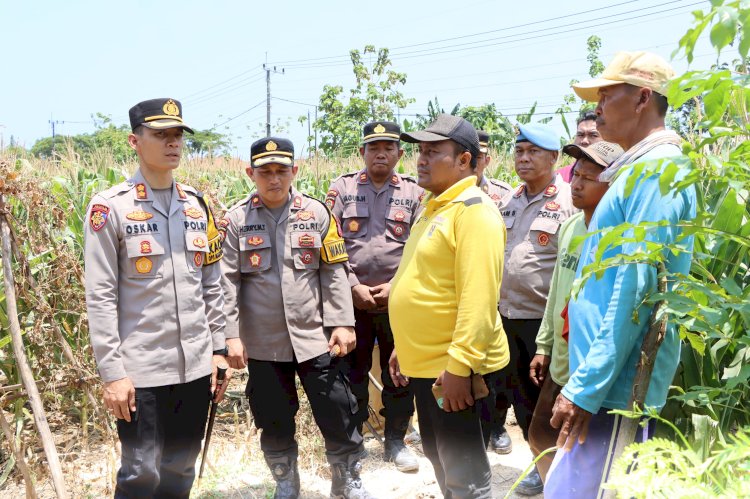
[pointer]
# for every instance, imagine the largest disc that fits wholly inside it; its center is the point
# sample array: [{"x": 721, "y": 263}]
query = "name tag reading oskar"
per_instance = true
[{"x": 334, "y": 248}]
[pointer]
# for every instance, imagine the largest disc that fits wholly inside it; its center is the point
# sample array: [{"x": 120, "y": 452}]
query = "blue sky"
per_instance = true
[{"x": 65, "y": 61}]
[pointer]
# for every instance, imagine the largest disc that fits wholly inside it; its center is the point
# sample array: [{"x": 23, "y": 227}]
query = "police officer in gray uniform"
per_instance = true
[
  {"x": 496, "y": 189},
  {"x": 377, "y": 208},
  {"x": 155, "y": 304},
  {"x": 288, "y": 300},
  {"x": 533, "y": 215}
]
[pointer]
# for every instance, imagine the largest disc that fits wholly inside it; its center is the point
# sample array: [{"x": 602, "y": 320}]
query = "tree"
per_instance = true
[
  {"x": 207, "y": 143},
  {"x": 375, "y": 96}
]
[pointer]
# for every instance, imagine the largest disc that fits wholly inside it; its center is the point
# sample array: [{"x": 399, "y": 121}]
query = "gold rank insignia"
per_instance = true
[
  {"x": 198, "y": 259},
  {"x": 180, "y": 191},
  {"x": 139, "y": 215},
  {"x": 145, "y": 247},
  {"x": 400, "y": 216},
  {"x": 353, "y": 226},
  {"x": 398, "y": 230},
  {"x": 306, "y": 241},
  {"x": 379, "y": 128},
  {"x": 271, "y": 146},
  {"x": 199, "y": 242},
  {"x": 297, "y": 203},
  {"x": 394, "y": 179},
  {"x": 255, "y": 201},
  {"x": 362, "y": 178},
  {"x": 305, "y": 216},
  {"x": 552, "y": 206},
  {"x": 307, "y": 257},
  {"x": 170, "y": 108},
  {"x": 255, "y": 260},
  {"x": 254, "y": 240},
  {"x": 550, "y": 191},
  {"x": 140, "y": 191},
  {"x": 519, "y": 191},
  {"x": 543, "y": 238},
  {"x": 194, "y": 212},
  {"x": 486, "y": 188},
  {"x": 143, "y": 265}
]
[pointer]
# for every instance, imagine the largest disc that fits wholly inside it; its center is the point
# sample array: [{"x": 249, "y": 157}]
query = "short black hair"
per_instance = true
[
  {"x": 662, "y": 105},
  {"x": 586, "y": 116},
  {"x": 458, "y": 149},
  {"x": 138, "y": 130}
]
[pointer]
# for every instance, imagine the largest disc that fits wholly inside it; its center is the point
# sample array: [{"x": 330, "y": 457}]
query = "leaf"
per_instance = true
[{"x": 725, "y": 29}]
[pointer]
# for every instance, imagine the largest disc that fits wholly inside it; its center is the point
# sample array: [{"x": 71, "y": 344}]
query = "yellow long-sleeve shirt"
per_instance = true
[{"x": 443, "y": 299}]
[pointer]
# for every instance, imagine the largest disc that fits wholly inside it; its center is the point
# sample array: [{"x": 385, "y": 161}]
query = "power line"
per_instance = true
[
  {"x": 235, "y": 117},
  {"x": 220, "y": 83}
]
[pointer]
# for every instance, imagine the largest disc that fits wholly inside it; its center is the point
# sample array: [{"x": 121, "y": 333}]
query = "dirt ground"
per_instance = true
[{"x": 236, "y": 469}]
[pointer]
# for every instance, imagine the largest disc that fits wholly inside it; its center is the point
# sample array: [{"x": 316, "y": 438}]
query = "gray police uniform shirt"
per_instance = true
[
  {"x": 281, "y": 297},
  {"x": 531, "y": 252},
  {"x": 376, "y": 222},
  {"x": 497, "y": 190},
  {"x": 155, "y": 308}
]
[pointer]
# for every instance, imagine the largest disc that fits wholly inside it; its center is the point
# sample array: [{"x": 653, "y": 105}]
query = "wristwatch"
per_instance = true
[{"x": 223, "y": 352}]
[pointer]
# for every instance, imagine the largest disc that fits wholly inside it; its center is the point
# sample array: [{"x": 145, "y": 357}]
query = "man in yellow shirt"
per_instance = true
[{"x": 443, "y": 306}]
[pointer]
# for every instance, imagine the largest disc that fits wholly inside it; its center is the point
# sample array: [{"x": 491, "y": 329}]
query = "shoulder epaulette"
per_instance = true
[
  {"x": 472, "y": 201},
  {"x": 116, "y": 189},
  {"x": 317, "y": 201},
  {"x": 239, "y": 203},
  {"x": 191, "y": 189},
  {"x": 409, "y": 179}
]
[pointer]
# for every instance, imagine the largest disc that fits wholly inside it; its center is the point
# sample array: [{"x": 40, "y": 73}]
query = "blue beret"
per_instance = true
[{"x": 540, "y": 135}]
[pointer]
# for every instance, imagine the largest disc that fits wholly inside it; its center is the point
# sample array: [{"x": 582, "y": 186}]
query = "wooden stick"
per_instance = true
[
  {"x": 19, "y": 351},
  {"x": 653, "y": 339},
  {"x": 20, "y": 461}
]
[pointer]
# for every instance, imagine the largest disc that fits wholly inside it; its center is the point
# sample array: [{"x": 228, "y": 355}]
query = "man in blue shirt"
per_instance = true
[{"x": 608, "y": 319}]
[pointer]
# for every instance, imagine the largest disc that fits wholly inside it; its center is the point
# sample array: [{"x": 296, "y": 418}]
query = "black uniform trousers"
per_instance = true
[
  {"x": 162, "y": 441},
  {"x": 273, "y": 401},
  {"x": 517, "y": 388},
  {"x": 454, "y": 443},
  {"x": 398, "y": 402}
]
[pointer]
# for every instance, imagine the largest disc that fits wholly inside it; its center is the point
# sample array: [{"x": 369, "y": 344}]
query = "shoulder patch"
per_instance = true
[
  {"x": 471, "y": 201},
  {"x": 334, "y": 248}
]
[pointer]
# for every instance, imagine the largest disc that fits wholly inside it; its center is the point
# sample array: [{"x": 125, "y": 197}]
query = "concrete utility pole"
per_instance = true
[
  {"x": 268, "y": 70},
  {"x": 53, "y": 123}
]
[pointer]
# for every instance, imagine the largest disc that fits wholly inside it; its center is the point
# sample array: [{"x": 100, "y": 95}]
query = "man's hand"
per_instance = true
[
  {"x": 362, "y": 297},
  {"x": 219, "y": 360},
  {"x": 456, "y": 391},
  {"x": 344, "y": 337},
  {"x": 237, "y": 357},
  {"x": 119, "y": 398},
  {"x": 380, "y": 294},
  {"x": 394, "y": 369},
  {"x": 539, "y": 368},
  {"x": 572, "y": 421}
]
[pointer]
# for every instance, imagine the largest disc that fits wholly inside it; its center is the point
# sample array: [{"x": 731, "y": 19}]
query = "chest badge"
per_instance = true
[
  {"x": 305, "y": 216},
  {"x": 306, "y": 241},
  {"x": 194, "y": 212},
  {"x": 307, "y": 257},
  {"x": 143, "y": 265},
  {"x": 255, "y": 240},
  {"x": 145, "y": 247},
  {"x": 400, "y": 216},
  {"x": 198, "y": 259},
  {"x": 139, "y": 216},
  {"x": 552, "y": 206},
  {"x": 353, "y": 226},
  {"x": 543, "y": 239},
  {"x": 199, "y": 242},
  {"x": 398, "y": 230},
  {"x": 255, "y": 260}
]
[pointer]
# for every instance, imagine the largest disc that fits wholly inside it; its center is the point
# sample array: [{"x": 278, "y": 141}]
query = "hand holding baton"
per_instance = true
[{"x": 221, "y": 372}]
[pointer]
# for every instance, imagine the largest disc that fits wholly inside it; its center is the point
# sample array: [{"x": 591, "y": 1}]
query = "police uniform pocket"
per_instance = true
[
  {"x": 196, "y": 247},
  {"x": 354, "y": 220},
  {"x": 543, "y": 234},
  {"x": 145, "y": 254},
  {"x": 255, "y": 252},
  {"x": 397, "y": 223},
  {"x": 306, "y": 250}
]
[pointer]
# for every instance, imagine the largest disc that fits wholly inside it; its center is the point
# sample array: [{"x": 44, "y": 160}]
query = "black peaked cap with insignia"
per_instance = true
[
  {"x": 272, "y": 150},
  {"x": 158, "y": 114},
  {"x": 381, "y": 130}
]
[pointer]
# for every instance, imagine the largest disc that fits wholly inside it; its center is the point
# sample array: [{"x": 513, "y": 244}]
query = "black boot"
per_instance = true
[
  {"x": 286, "y": 474},
  {"x": 346, "y": 483}
]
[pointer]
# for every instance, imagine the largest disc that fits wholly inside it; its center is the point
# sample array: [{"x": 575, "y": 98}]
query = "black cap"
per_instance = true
[
  {"x": 484, "y": 141},
  {"x": 447, "y": 127},
  {"x": 272, "y": 150},
  {"x": 158, "y": 114},
  {"x": 381, "y": 130}
]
